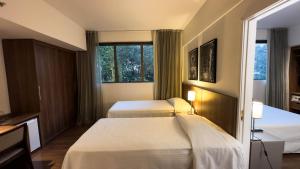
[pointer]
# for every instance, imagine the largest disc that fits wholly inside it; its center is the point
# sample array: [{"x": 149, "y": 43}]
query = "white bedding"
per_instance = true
[
  {"x": 212, "y": 147},
  {"x": 142, "y": 108},
  {"x": 283, "y": 125},
  {"x": 131, "y": 143},
  {"x": 155, "y": 143}
]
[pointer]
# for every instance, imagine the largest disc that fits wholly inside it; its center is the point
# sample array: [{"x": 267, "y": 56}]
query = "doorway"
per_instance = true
[{"x": 254, "y": 81}]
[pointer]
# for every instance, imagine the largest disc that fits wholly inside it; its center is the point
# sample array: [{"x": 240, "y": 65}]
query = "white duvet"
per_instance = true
[
  {"x": 282, "y": 124},
  {"x": 131, "y": 143},
  {"x": 182, "y": 142},
  {"x": 141, "y": 108},
  {"x": 212, "y": 147}
]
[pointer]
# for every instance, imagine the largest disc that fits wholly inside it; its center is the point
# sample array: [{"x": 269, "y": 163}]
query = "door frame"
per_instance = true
[{"x": 247, "y": 69}]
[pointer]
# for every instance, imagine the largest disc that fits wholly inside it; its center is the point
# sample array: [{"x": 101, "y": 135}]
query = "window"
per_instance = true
[
  {"x": 125, "y": 62},
  {"x": 261, "y": 57}
]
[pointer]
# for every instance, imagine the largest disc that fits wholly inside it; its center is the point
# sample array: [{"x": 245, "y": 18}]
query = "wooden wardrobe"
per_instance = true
[
  {"x": 42, "y": 78},
  {"x": 294, "y": 80}
]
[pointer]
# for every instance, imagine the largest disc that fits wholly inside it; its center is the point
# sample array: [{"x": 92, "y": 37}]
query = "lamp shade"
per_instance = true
[
  {"x": 257, "y": 110},
  {"x": 191, "y": 95}
]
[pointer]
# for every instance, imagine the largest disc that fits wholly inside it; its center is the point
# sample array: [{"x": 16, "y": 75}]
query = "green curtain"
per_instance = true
[
  {"x": 89, "y": 92},
  {"x": 167, "y": 64},
  {"x": 277, "y": 95}
]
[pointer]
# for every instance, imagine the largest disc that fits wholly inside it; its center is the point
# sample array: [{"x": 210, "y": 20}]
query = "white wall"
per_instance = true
[
  {"x": 39, "y": 16},
  {"x": 294, "y": 36},
  {"x": 259, "y": 90},
  {"x": 259, "y": 86},
  {"x": 4, "y": 100},
  {"x": 113, "y": 92},
  {"x": 262, "y": 34},
  {"x": 125, "y": 36},
  {"x": 222, "y": 20}
]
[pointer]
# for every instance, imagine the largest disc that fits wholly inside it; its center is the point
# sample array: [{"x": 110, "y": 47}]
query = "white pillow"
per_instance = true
[{"x": 180, "y": 105}]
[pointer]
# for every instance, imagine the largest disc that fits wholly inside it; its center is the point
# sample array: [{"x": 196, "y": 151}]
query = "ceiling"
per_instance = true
[
  {"x": 287, "y": 17},
  {"x": 110, "y": 15}
]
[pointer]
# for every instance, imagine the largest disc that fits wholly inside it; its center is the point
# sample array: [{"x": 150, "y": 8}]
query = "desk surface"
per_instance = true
[
  {"x": 14, "y": 119},
  {"x": 4, "y": 129},
  {"x": 265, "y": 137}
]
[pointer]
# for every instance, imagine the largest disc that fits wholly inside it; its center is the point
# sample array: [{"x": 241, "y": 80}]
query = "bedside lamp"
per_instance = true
[
  {"x": 191, "y": 97},
  {"x": 257, "y": 113}
]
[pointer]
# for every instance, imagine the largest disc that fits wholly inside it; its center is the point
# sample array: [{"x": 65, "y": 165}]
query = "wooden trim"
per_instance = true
[
  {"x": 128, "y": 82},
  {"x": 125, "y": 43},
  {"x": 117, "y": 79},
  {"x": 142, "y": 63},
  {"x": 12, "y": 129},
  {"x": 15, "y": 118},
  {"x": 261, "y": 41},
  {"x": 204, "y": 88},
  {"x": 46, "y": 44},
  {"x": 219, "y": 108}
]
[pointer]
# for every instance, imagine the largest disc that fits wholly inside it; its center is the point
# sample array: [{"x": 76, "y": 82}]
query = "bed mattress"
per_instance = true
[
  {"x": 131, "y": 143},
  {"x": 282, "y": 124},
  {"x": 142, "y": 108}
]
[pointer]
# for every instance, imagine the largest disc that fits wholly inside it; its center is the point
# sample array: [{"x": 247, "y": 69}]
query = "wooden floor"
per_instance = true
[
  {"x": 52, "y": 155},
  {"x": 291, "y": 161}
]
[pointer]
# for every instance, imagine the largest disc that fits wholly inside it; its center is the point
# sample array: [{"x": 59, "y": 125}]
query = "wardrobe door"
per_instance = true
[
  {"x": 21, "y": 76},
  {"x": 45, "y": 64},
  {"x": 67, "y": 79},
  {"x": 56, "y": 77}
]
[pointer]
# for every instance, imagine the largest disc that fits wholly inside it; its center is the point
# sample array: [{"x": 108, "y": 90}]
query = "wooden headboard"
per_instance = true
[{"x": 218, "y": 108}]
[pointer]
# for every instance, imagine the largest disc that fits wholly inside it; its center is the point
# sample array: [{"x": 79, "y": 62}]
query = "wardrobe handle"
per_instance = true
[{"x": 40, "y": 97}]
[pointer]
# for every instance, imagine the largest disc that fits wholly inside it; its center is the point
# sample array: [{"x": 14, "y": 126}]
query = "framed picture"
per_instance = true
[
  {"x": 208, "y": 61},
  {"x": 193, "y": 64}
]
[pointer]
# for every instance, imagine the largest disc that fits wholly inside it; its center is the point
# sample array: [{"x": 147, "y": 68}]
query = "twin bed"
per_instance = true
[
  {"x": 177, "y": 142},
  {"x": 283, "y": 125},
  {"x": 149, "y": 108}
]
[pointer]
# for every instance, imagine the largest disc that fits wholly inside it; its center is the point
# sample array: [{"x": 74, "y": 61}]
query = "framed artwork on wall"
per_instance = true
[
  {"x": 193, "y": 64},
  {"x": 208, "y": 61}
]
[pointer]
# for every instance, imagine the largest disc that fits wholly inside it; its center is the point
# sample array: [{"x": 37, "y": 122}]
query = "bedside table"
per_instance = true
[{"x": 274, "y": 148}]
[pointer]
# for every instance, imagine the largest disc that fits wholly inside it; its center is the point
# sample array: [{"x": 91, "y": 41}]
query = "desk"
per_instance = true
[
  {"x": 4, "y": 129},
  {"x": 8, "y": 122},
  {"x": 14, "y": 118}
]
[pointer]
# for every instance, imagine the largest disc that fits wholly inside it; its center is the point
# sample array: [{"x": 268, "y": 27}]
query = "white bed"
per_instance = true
[
  {"x": 148, "y": 108},
  {"x": 283, "y": 125},
  {"x": 182, "y": 142}
]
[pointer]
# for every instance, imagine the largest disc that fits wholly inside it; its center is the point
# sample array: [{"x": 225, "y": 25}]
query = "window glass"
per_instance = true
[
  {"x": 260, "y": 63},
  {"x": 106, "y": 63},
  {"x": 125, "y": 62},
  {"x": 148, "y": 62},
  {"x": 129, "y": 63}
]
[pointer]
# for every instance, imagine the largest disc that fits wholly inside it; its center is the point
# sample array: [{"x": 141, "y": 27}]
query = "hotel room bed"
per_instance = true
[
  {"x": 181, "y": 142},
  {"x": 148, "y": 108},
  {"x": 282, "y": 124},
  {"x": 178, "y": 142}
]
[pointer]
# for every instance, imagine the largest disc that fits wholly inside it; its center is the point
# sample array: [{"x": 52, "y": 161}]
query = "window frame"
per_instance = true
[
  {"x": 263, "y": 41},
  {"x": 115, "y": 44}
]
